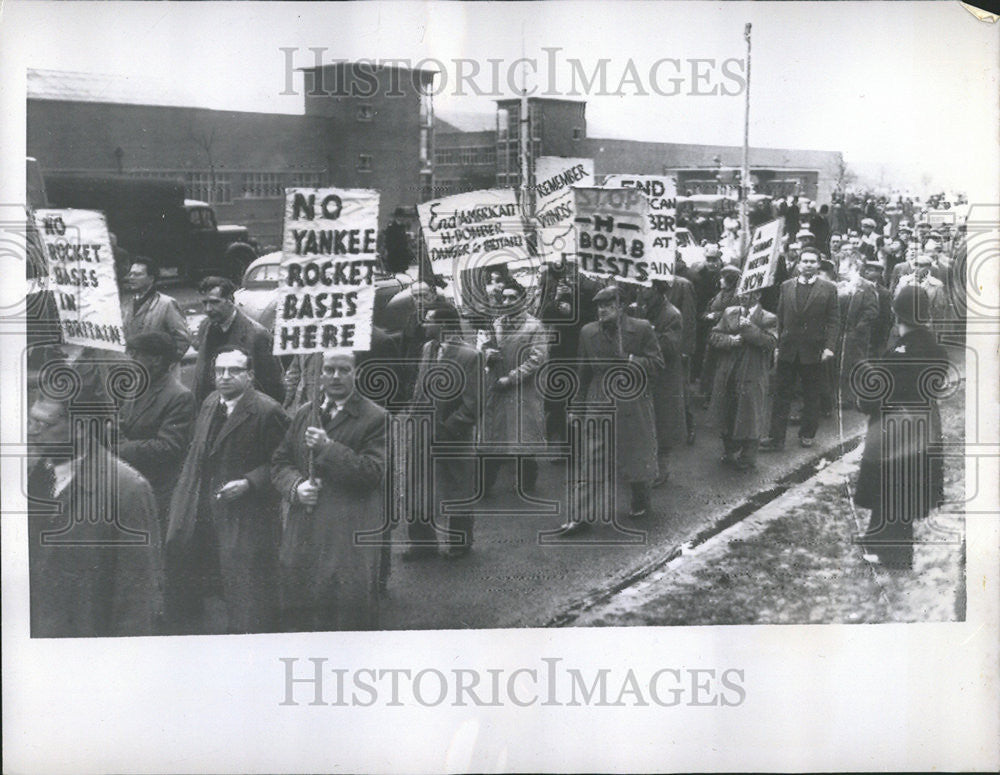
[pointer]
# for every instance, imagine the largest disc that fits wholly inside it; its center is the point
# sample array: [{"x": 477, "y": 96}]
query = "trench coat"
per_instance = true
[
  {"x": 635, "y": 418},
  {"x": 668, "y": 381},
  {"x": 902, "y": 425},
  {"x": 154, "y": 434},
  {"x": 252, "y": 337},
  {"x": 741, "y": 373},
  {"x": 323, "y": 565},
  {"x": 516, "y": 413},
  {"x": 102, "y": 586},
  {"x": 157, "y": 313},
  {"x": 247, "y": 527},
  {"x": 859, "y": 310}
]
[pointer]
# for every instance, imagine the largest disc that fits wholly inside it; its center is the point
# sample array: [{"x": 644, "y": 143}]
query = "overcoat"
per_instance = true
[
  {"x": 252, "y": 337},
  {"x": 109, "y": 583},
  {"x": 859, "y": 310},
  {"x": 516, "y": 413},
  {"x": 154, "y": 434},
  {"x": 903, "y": 422},
  {"x": 743, "y": 369},
  {"x": 247, "y": 527},
  {"x": 635, "y": 419},
  {"x": 157, "y": 312},
  {"x": 324, "y": 563},
  {"x": 668, "y": 381}
]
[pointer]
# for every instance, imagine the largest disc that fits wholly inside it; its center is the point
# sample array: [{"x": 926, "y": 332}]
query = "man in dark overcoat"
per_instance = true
[
  {"x": 667, "y": 382},
  {"x": 900, "y": 479},
  {"x": 456, "y": 412},
  {"x": 224, "y": 512},
  {"x": 154, "y": 428},
  {"x": 331, "y": 469},
  {"x": 616, "y": 340},
  {"x": 808, "y": 324},
  {"x": 225, "y": 326}
]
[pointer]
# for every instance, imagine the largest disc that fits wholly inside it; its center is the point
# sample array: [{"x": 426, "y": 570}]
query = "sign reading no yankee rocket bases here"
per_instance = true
[
  {"x": 81, "y": 270},
  {"x": 328, "y": 267},
  {"x": 611, "y": 239},
  {"x": 762, "y": 261},
  {"x": 466, "y": 231}
]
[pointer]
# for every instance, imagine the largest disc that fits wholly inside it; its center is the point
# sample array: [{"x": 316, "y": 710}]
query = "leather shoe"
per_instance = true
[
  {"x": 771, "y": 445},
  {"x": 578, "y": 526},
  {"x": 805, "y": 442},
  {"x": 690, "y": 437},
  {"x": 456, "y": 551},
  {"x": 742, "y": 464},
  {"x": 637, "y": 514},
  {"x": 727, "y": 459},
  {"x": 418, "y": 553},
  {"x": 661, "y": 480}
]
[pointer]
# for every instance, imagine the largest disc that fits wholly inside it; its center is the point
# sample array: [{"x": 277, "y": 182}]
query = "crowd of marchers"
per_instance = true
[{"x": 235, "y": 503}]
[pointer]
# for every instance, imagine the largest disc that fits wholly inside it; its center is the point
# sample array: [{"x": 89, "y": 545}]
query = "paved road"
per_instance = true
[{"x": 514, "y": 578}]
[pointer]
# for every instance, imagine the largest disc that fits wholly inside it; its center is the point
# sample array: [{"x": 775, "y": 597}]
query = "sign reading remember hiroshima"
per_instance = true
[
  {"x": 661, "y": 191},
  {"x": 81, "y": 270},
  {"x": 611, "y": 236},
  {"x": 327, "y": 271},
  {"x": 554, "y": 181},
  {"x": 762, "y": 261},
  {"x": 472, "y": 230}
]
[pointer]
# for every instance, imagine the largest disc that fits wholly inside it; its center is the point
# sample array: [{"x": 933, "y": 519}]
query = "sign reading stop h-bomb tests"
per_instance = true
[
  {"x": 661, "y": 191},
  {"x": 477, "y": 229},
  {"x": 762, "y": 261},
  {"x": 327, "y": 271},
  {"x": 611, "y": 236},
  {"x": 81, "y": 268}
]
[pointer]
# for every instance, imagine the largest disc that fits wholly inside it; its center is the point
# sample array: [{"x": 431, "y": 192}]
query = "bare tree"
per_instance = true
[
  {"x": 845, "y": 175},
  {"x": 204, "y": 138}
]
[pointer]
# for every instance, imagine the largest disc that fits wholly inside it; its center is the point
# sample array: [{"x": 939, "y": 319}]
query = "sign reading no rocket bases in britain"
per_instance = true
[
  {"x": 327, "y": 271},
  {"x": 81, "y": 271}
]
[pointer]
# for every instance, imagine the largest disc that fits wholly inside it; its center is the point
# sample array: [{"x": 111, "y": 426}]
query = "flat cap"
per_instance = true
[
  {"x": 153, "y": 343},
  {"x": 609, "y": 293}
]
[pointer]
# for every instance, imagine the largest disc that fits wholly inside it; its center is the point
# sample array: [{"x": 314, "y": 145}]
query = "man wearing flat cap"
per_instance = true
[
  {"x": 871, "y": 241},
  {"x": 808, "y": 324},
  {"x": 154, "y": 428},
  {"x": 615, "y": 338}
]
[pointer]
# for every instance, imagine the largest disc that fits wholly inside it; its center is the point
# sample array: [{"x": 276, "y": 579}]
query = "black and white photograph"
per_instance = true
[{"x": 459, "y": 387}]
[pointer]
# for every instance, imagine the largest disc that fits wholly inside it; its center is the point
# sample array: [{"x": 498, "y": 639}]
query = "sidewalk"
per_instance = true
[{"x": 793, "y": 562}]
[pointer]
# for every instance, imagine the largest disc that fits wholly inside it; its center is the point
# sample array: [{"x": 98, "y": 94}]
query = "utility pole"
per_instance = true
[{"x": 745, "y": 172}]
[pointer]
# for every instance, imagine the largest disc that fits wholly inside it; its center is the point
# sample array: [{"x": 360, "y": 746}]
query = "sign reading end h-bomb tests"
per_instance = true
[
  {"x": 327, "y": 271},
  {"x": 81, "y": 271},
  {"x": 611, "y": 233},
  {"x": 762, "y": 261}
]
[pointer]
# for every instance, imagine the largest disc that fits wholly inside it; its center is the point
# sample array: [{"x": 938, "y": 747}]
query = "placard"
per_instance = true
[
  {"x": 611, "y": 234},
  {"x": 81, "y": 268},
  {"x": 555, "y": 177},
  {"x": 327, "y": 271},
  {"x": 762, "y": 260},
  {"x": 661, "y": 191}
]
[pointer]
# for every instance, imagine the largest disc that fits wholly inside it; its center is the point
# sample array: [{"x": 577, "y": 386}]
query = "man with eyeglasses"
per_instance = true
[
  {"x": 223, "y": 529},
  {"x": 225, "y": 326}
]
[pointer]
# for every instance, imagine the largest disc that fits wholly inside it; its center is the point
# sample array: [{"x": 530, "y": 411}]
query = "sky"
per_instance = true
[{"x": 907, "y": 90}]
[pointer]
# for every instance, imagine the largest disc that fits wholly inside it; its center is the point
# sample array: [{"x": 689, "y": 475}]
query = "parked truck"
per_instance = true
[{"x": 152, "y": 218}]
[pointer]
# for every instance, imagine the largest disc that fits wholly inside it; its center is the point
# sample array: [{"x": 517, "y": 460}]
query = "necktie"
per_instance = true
[{"x": 218, "y": 420}]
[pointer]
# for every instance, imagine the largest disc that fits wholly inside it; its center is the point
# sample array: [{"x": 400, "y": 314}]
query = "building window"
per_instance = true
[
  {"x": 365, "y": 113},
  {"x": 577, "y": 133},
  {"x": 364, "y": 162},
  {"x": 307, "y": 179},
  {"x": 215, "y": 188},
  {"x": 263, "y": 185}
]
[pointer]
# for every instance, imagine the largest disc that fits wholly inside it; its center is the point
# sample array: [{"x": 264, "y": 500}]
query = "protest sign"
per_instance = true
[
  {"x": 554, "y": 179},
  {"x": 611, "y": 233},
  {"x": 81, "y": 270},
  {"x": 472, "y": 230},
  {"x": 661, "y": 192},
  {"x": 762, "y": 261},
  {"x": 327, "y": 271}
]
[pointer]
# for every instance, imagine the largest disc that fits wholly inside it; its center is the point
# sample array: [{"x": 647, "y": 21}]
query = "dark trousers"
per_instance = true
[
  {"x": 786, "y": 375},
  {"x": 453, "y": 480},
  {"x": 528, "y": 465},
  {"x": 891, "y": 538}
]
